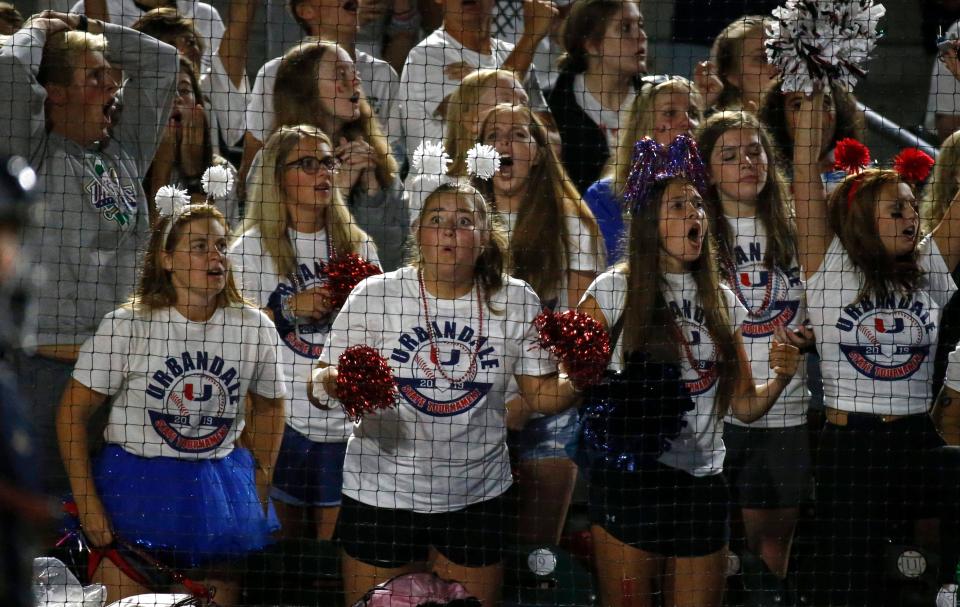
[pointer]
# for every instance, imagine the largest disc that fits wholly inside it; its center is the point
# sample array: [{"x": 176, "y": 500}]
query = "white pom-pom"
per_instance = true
[
  {"x": 217, "y": 182},
  {"x": 170, "y": 199},
  {"x": 431, "y": 158},
  {"x": 814, "y": 43},
  {"x": 483, "y": 161}
]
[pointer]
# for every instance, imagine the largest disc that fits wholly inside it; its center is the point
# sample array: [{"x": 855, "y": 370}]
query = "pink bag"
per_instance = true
[{"x": 416, "y": 590}]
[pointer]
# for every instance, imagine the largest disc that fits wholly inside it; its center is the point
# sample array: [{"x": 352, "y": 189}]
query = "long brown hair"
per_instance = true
[
  {"x": 296, "y": 100},
  {"x": 488, "y": 270},
  {"x": 648, "y": 325},
  {"x": 155, "y": 289},
  {"x": 727, "y": 54},
  {"x": 774, "y": 209},
  {"x": 267, "y": 208},
  {"x": 540, "y": 245},
  {"x": 854, "y": 220},
  {"x": 586, "y": 22}
]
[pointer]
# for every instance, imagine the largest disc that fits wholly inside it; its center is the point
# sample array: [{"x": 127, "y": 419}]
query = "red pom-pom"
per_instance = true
[
  {"x": 579, "y": 341},
  {"x": 913, "y": 165},
  {"x": 851, "y": 156},
  {"x": 365, "y": 382},
  {"x": 344, "y": 272}
]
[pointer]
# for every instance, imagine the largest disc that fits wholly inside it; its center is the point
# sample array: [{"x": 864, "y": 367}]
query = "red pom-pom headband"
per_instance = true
[{"x": 853, "y": 157}]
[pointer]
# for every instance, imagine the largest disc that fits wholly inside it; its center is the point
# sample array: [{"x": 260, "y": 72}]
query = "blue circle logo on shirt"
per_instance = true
[
  {"x": 192, "y": 419},
  {"x": 450, "y": 392},
  {"x": 890, "y": 345}
]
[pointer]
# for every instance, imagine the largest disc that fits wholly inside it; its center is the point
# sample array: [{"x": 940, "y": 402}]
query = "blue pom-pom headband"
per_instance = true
[{"x": 653, "y": 164}]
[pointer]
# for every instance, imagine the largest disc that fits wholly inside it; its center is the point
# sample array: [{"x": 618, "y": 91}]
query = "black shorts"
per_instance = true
[
  {"x": 662, "y": 510},
  {"x": 472, "y": 537},
  {"x": 768, "y": 467}
]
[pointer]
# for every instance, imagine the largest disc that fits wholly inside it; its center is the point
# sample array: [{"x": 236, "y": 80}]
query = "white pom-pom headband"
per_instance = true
[
  {"x": 171, "y": 202},
  {"x": 814, "y": 43},
  {"x": 431, "y": 161}
]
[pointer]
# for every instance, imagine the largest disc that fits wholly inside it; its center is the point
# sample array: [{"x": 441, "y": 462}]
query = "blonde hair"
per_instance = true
[
  {"x": 297, "y": 101},
  {"x": 155, "y": 289},
  {"x": 61, "y": 53},
  {"x": 640, "y": 120},
  {"x": 461, "y": 106},
  {"x": 267, "y": 209},
  {"x": 942, "y": 187}
]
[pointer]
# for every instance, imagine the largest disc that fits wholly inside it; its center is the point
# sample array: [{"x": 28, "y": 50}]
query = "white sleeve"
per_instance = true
[
  {"x": 102, "y": 361},
  {"x": 227, "y": 100},
  {"x": 534, "y": 360},
  {"x": 940, "y": 282},
  {"x": 269, "y": 380},
  {"x": 246, "y": 259},
  {"x": 952, "y": 379},
  {"x": 259, "y": 114},
  {"x": 583, "y": 247},
  {"x": 610, "y": 292}
]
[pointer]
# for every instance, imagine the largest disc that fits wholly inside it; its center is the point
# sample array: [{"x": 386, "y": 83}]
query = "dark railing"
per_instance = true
[{"x": 893, "y": 132}]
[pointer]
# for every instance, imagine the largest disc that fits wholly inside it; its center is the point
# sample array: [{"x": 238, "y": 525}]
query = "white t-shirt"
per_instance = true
[
  {"x": 444, "y": 446},
  {"x": 227, "y": 101},
  {"x": 179, "y": 387},
  {"x": 944, "y": 88},
  {"x": 773, "y": 298},
  {"x": 699, "y": 449},
  {"x": 583, "y": 254},
  {"x": 876, "y": 357},
  {"x": 425, "y": 83},
  {"x": 609, "y": 121},
  {"x": 301, "y": 338},
  {"x": 952, "y": 378},
  {"x": 378, "y": 80}
]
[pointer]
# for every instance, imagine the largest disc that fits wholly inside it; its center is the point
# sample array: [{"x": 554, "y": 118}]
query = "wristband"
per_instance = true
[{"x": 83, "y": 24}]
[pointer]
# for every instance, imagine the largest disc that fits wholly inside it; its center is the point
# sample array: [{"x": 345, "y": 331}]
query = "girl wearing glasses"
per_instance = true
[
  {"x": 296, "y": 222},
  {"x": 317, "y": 84},
  {"x": 178, "y": 364}
]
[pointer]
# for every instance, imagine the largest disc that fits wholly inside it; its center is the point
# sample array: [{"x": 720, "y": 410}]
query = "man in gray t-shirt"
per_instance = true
[{"x": 58, "y": 101}]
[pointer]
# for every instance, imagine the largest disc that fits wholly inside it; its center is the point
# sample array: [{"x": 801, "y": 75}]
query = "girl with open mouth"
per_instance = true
[
  {"x": 657, "y": 497},
  {"x": 876, "y": 287},
  {"x": 554, "y": 245},
  {"x": 188, "y": 368}
]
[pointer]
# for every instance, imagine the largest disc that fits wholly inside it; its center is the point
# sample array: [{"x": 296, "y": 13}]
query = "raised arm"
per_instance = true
[
  {"x": 96, "y": 9},
  {"x": 22, "y": 98},
  {"x": 78, "y": 404},
  {"x": 813, "y": 229},
  {"x": 226, "y": 82},
  {"x": 150, "y": 68},
  {"x": 538, "y": 18},
  {"x": 947, "y": 234}
]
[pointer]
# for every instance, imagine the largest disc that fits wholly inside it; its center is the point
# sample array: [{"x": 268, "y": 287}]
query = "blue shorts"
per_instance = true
[
  {"x": 546, "y": 437},
  {"x": 308, "y": 473},
  {"x": 189, "y": 512}
]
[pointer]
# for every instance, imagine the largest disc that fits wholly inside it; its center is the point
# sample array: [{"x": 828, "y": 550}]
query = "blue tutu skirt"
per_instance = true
[{"x": 193, "y": 511}]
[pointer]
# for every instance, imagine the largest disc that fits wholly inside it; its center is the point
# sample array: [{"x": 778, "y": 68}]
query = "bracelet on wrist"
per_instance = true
[{"x": 83, "y": 23}]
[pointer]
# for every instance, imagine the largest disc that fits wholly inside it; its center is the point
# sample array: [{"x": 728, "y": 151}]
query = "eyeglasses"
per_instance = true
[{"x": 311, "y": 165}]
